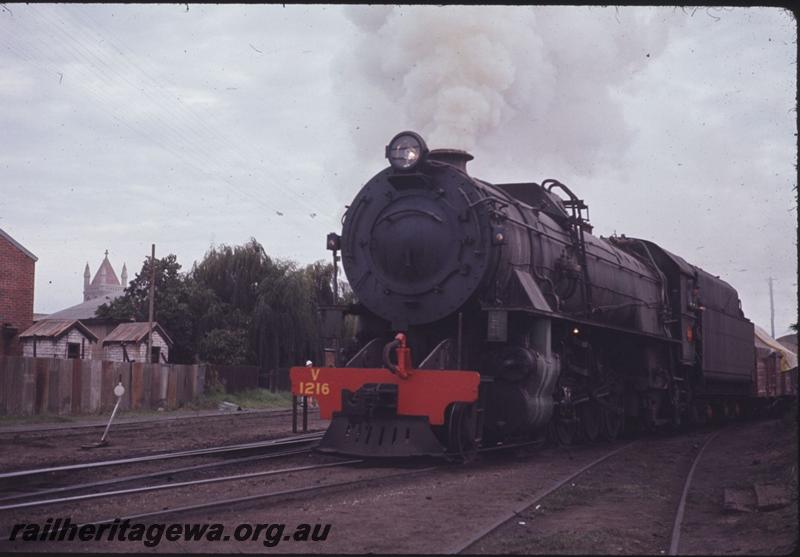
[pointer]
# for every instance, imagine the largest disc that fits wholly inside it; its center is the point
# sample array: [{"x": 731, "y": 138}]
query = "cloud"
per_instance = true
[{"x": 475, "y": 77}]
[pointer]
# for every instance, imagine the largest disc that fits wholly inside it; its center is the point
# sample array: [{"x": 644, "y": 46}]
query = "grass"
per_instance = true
[
  {"x": 35, "y": 419},
  {"x": 250, "y": 398}
]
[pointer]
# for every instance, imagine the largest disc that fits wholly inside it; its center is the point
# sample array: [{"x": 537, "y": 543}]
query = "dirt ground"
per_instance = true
[
  {"x": 625, "y": 505},
  {"x": 764, "y": 455}
]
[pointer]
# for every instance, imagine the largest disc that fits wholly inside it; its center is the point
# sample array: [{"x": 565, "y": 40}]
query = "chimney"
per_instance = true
[{"x": 453, "y": 157}]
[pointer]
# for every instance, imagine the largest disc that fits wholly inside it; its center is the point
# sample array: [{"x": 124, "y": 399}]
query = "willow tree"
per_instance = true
[
  {"x": 284, "y": 321},
  {"x": 233, "y": 274}
]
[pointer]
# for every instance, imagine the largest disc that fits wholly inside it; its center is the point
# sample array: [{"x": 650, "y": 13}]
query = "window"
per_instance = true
[
  {"x": 73, "y": 351},
  {"x": 155, "y": 354}
]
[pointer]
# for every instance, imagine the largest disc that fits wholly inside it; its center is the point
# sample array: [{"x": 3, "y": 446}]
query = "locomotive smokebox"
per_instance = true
[
  {"x": 453, "y": 157},
  {"x": 417, "y": 243}
]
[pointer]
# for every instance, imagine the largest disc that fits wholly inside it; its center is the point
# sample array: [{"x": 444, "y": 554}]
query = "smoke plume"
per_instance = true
[{"x": 536, "y": 81}]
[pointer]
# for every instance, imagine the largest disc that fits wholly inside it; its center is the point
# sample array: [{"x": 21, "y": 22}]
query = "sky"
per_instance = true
[{"x": 195, "y": 126}]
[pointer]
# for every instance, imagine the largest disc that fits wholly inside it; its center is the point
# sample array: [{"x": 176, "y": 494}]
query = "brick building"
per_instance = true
[{"x": 17, "y": 267}]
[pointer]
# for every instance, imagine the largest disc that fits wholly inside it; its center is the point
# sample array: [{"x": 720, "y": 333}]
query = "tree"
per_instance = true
[
  {"x": 236, "y": 306},
  {"x": 223, "y": 346},
  {"x": 234, "y": 273},
  {"x": 283, "y": 320}
]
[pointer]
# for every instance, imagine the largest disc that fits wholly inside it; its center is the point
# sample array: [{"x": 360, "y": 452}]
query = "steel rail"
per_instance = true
[
  {"x": 501, "y": 447},
  {"x": 171, "y": 471},
  {"x": 676, "y": 526},
  {"x": 150, "y": 488},
  {"x": 245, "y": 499},
  {"x": 309, "y": 438},
  {"x": 16, "y": 430},
  {"x": 532, "y": 501},
  {"x": 127, "y": 479}
]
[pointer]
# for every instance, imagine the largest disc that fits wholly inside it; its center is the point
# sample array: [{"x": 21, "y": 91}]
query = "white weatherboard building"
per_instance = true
[
  {"x": 58, "y": 338},
  {"x": 128, "y": 343}
]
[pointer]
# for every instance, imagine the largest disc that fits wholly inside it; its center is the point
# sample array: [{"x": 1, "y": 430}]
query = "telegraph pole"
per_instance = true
[
  {"x": 771, "y": 309},
  {"x": 152, "y": 294}
]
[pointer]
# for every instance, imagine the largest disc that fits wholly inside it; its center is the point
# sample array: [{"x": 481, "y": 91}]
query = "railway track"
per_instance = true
[
  {"x": 208, "y": 502},
  {"x": 464, "y": 545},
  {"x": 25, "y": 486},
  {"x": 132, "y": 424},
  {"x": 169, "y": 473},
  {"x": 279, "y": 493},
  {"x": 244, "y": 490},
  {"x": 554, "y": 487},
  {"x": 675, "y": 540},
  {"x": 43, "y": 498},
  {"x": 309, "y": 439},
  {"x": 175, "y": 485}
]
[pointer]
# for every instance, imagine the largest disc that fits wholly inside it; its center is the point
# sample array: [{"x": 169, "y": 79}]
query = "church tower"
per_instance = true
[
  {"x": 86, "y": 277},
  {"x": 105, "y": 281}
]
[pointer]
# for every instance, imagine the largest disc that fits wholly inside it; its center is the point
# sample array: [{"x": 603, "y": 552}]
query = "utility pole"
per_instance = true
[
  {"x": 150, "y": 314},
  {"x": 771, "y": 309}
]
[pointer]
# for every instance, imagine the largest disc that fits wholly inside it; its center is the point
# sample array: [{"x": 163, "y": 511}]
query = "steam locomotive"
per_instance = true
[{"x": 489, "y": 312}]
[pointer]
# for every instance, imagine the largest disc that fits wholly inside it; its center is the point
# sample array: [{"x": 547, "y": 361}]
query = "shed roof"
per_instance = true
[
  {"x": 55, "y": 328},
  {"x": 17, "y": 245},
  {"x": 134, "y": 332}
]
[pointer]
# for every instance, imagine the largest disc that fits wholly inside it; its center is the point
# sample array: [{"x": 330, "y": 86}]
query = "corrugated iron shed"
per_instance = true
[
  {"x": 134, "y": 332},
  {"x": 55, "y": 328}
]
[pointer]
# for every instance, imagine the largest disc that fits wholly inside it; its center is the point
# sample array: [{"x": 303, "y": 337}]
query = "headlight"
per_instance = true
[{"x": 405, "y": 150}]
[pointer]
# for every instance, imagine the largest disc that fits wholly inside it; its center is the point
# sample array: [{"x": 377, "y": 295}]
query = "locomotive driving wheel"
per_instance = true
[
  {"x": 612, "y": 418},
  {"x": 590, "y": 415},
  {"x": 462, "y": 434},
  {"x": 612, "y": 408},
  {"x": 562, "y": 430}
]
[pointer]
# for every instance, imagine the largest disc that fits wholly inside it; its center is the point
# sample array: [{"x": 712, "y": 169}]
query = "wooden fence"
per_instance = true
[
  {"x": 234, "y": 378},
  {"x": 54, "y": 386},
  {"x": 240, "y": 378}
]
